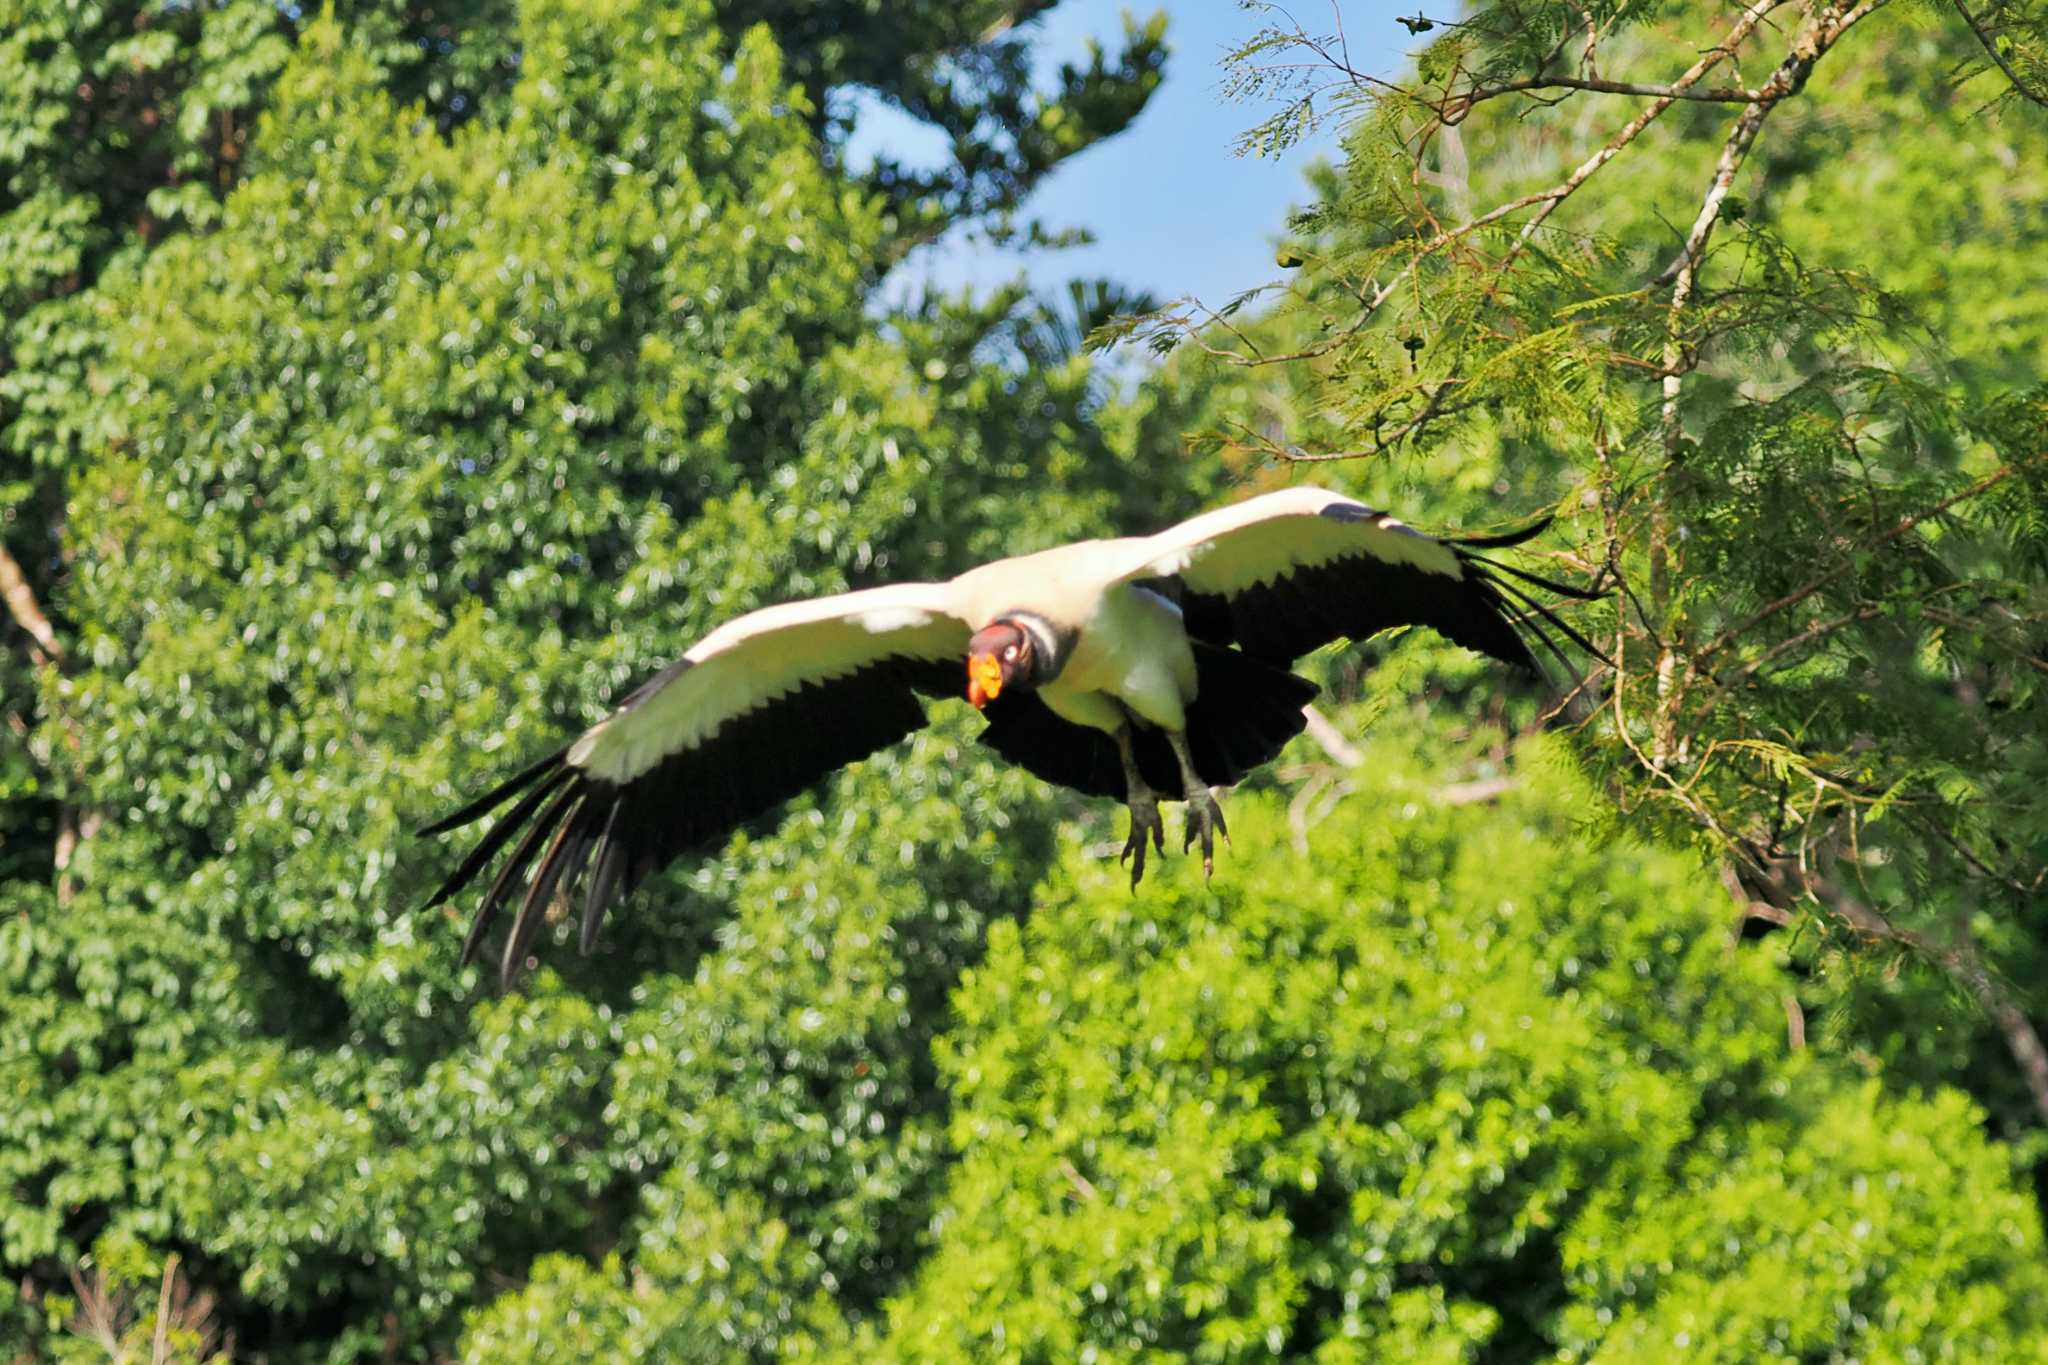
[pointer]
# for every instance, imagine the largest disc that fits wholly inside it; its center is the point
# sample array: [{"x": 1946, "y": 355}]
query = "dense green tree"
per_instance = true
[
  {"x": 965, "y": 69},
  {"x": 122, "y": 124},
  {"x": 1463, "y": 1090},
  {"x": 1755, "y": 300},
  {"x": 441, "y": 433},
  {"x": 125, "y": 122}
]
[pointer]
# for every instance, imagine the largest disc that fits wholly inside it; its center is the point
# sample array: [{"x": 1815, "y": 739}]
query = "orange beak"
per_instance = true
[{"x": 984, "y": 679}]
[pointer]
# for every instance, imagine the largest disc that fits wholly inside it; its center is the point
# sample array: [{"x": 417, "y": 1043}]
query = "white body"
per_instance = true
[
  {"x": 1129, "y": 648},
  {"x": 1131, "y": 654}
]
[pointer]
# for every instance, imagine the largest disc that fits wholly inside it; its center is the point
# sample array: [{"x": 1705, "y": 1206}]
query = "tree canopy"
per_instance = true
[
  {"x": 1466, "y": 1091},
  {"x": 385, "y": 389},
  {"x": 1751, "y": 297},
  {"x": 444, "y": 430}
]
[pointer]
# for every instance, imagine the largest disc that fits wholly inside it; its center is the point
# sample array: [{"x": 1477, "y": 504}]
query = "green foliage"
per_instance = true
[
  {"x": 122, "y": 123},
  {"x": 442, "y": 434},
  {"x": 403, "y": 403},
  {"x": 1784, "y": 393},
  {"x": 1464, "y": 1089},
  {"x": 964, "y": 67}
]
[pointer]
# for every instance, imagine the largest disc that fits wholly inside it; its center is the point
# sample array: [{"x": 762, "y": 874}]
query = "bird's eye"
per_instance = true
[{"x": 1009, "y": 653}]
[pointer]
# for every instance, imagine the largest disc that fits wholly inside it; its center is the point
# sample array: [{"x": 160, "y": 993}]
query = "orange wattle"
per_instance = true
[{"x": 984, "y": 679}]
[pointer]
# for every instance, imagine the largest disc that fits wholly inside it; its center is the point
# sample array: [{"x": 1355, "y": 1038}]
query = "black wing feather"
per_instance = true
[
  {"x": 502, "y": 832},
  {"x": 604, "y": 878},
  {"x": 493, "y": 798},
  {"x": 515, "y": 866},
  {"x": 1355, "y": 597},
  {"x": 1243, "y": 714},
  {"x": 572, "y": 837},
  {"x": 615, "y": 835},
  {"x": 1505, "y": 539},
  {"x": 1359, "y": 595}
]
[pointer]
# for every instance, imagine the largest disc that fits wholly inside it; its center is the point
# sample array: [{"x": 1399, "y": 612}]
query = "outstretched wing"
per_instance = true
[
  {"x": 1285, "y": 573},
  {"x": 757, "y": 711}
]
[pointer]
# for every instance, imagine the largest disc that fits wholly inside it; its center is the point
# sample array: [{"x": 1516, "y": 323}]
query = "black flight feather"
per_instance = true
[
  {"x": 500, "y": 835},
  {"x": 1505, "y": 538},
  {"x": 515, "y": 865},
  {"x": 1522, "y": 596},
  {"x": 1561, "y": 589},
  {"x": 493, "y": 798},
  {"x": 569, "y": 841},
  {"x": 610, "y": 855},
  {"x": 572, "y": 827}
]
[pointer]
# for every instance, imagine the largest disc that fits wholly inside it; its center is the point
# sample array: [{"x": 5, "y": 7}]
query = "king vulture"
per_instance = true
[{"x": 1130, "y": 668}]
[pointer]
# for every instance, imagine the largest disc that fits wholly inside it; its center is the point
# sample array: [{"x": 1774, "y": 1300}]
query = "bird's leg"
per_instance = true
[
  {"x": 1203, "y": 812},
  {"x": 1144, "y": 810}
]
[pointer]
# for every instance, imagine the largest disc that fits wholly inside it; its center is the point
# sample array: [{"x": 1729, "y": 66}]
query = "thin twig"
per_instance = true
[
  {"x": 1549, "y": 199},
  {"x": 1713, "y": 95},
  {"x": 1332, "y": 739},
  {"x": 1713, "y": 56},
  {"x": 1794, "y": 598},
  {"x": 1472, "y": 793},
  {"x": 1816, "y": 631},
  {"x": 1788, "y": 79},
  {"x": 161, "y": 1353},
  {"x": 1991, "y": 48},
  {"x": 1960, "y": 960}
]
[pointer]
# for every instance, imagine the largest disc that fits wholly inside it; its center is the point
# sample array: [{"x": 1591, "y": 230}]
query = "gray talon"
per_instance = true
[
  {"x": 1144, "y": 819},
  {"x": 1144, "y": 811},
  {"x": 1205, "y": 817}
]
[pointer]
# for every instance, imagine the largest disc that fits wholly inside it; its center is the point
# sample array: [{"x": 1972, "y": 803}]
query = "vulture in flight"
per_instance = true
[{"x": 1144, "y": 668}]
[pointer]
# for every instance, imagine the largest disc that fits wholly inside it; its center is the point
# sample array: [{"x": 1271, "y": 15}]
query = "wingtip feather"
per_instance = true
[
  {"x": 563, "y": 851},
  {"x": 1522, "y": 597},
  {"x": 1505, "y": 539},
  {"x": 604, "y": 878},
  {"x": 510, "y": 874},
  {"x": 495, "y": 797}
]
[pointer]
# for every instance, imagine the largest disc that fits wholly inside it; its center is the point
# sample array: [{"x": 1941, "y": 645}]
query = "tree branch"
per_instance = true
[
  {"x": 1991, "y": 49},
  {"x": 1464, "y": 103},
  {"x": 1549, "y": 199},
  {"x": 1798, "y": 595},
  {"x": 75, "y": 826},
  {"x": 26, "y": 611},
  {"x": 1671, "y": 94},
  {"x": 1788, "y": 79},
  {"x": 1960, "y": 960}
]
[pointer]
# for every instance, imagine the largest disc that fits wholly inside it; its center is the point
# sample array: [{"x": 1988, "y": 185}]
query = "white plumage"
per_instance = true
[
  {"x": 1117, "y": 667},
  {"x": 761, "y": 657}
]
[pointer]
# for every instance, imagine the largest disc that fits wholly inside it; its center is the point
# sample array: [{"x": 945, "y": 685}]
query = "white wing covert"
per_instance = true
[{"x": 1285, "y": 573}]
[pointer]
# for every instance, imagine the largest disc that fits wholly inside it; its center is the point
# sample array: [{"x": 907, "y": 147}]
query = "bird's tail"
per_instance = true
[{"x": 1243, "y": 714}]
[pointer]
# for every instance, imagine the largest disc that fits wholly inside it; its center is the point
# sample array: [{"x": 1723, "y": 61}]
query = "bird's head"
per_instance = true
[{"x": 1002, "y": 654}]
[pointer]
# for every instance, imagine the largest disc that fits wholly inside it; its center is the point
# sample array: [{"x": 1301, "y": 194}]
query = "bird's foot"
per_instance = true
[
  {"x": 1144, "y": 820},
  {"x": 1205, "y": 817}
]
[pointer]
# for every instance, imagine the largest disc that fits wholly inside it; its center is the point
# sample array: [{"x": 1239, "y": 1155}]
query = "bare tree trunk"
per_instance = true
[
  {"x": 26, "y": 610},
  {"x": 75, "y": 825}
]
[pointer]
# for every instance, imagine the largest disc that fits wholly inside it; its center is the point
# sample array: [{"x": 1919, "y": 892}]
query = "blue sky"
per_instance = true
[{"x": 1174, "y": 210}]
